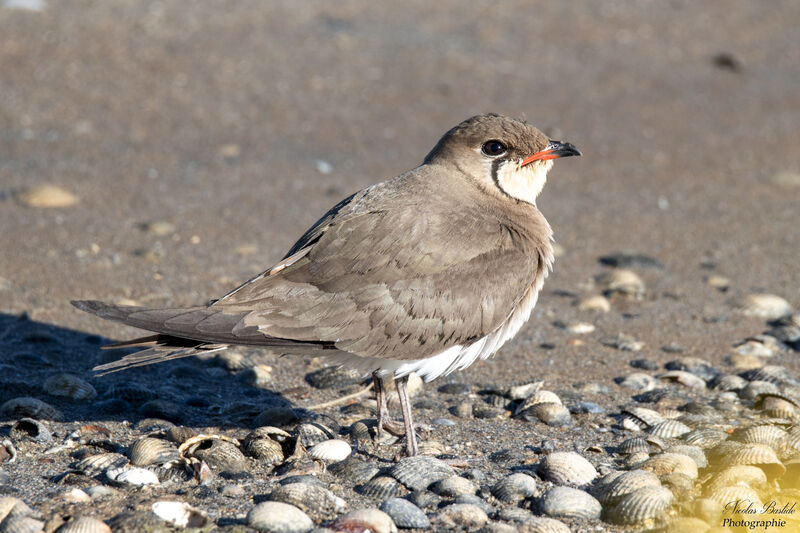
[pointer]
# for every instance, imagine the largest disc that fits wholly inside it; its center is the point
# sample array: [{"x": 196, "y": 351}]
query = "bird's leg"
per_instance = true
[
  {"x": 384, "y": 419},
  {"x": 405, "y": 405}
]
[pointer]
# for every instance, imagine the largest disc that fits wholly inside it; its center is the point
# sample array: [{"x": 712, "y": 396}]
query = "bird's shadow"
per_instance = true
[{"x": 188, "y": 391}]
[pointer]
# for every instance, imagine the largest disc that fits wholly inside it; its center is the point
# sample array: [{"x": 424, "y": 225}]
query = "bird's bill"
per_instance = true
[{"x": 554, "y": 150}]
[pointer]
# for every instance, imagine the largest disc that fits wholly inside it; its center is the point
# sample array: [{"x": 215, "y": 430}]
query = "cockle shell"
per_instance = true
[{"x": 567, "y": 468}]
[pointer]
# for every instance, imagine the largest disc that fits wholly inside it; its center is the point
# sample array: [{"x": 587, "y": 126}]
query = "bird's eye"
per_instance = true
[{"x": 494, "y": 148}]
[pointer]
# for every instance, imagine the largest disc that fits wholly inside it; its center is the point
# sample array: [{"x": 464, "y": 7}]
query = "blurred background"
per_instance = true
[{"x": 189, "y": 144}]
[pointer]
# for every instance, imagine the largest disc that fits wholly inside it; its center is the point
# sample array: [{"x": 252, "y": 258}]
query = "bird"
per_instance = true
[{"x": 426, "y": 272}]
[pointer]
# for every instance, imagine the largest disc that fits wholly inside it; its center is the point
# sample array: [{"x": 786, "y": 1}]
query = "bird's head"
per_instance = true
[{"x": 502, "y": 154}]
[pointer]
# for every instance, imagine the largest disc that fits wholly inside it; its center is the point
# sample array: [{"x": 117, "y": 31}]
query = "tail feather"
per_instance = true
[
  {"x": 183, "y": 332},
  {"x": 156, "y": 354}
]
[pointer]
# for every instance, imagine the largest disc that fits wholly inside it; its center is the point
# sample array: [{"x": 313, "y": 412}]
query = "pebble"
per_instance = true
[
  {"x": 639, "y": 381},
  {"x": 630, "y": 260},
  {"x": 644, "y": 364},
  {"x": 623, "y": 342},
  {"x": 278, "y": 517},
  {"x": 46, "y": 196}
]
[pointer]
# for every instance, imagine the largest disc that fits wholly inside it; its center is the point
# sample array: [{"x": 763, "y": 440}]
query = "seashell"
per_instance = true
[
  {"x": 754, "y": 389},
  {"x": 133, "y": 476},
  {"x": 514, "y": 488},
  {"x": 635, "y": 460},
  {"x": 541, "y": 396},
  {"x": 704, "y": 437},
  {"x": 552, "y": 414},
  {"x": 265, "y": 450},
  {"x": 453, "y": 487},
  {"x": 372, "y": 520},
  {"x": 180, "y": 514},
  {"x": 69, "y": 386},
  {"x": 10, "y": 506},
  {"x": 622, "y": 281},
  {"x": 313, "y": 499},
  {"x": 567, "y": 468},
  {"x": 769, "y": 373},
  {"x": 46, "y": 195},
  {"x": 180, "y": 434},
  {"x": 461, "y": 516},
  {"x": 634, "y": 445},
  {"x": 771, "y": 436},
  {"x": 686, "y": 379},
  {"x": 644, "y": 504},
  {"x": 310, "y": 434},
  {"x": 736, "y": 493},
  {"x": 26, "y": 407},
  {"x": 665, "y": 463},
  {"x": 777, "y": 406},
  {"x": 482, "y": 410},
  {"x": 768, "y": 306},
  {"x": 32, "y": 429},
  {"x": 622, "y": 342},
  {"x": 681, "y": 485},
  {"x": 432, "y": 447},
  {"x": 355, "y": 470},
  {"x": 639, "y": 381},
  {"x": 405, "y": 514},
  {"x": 84, "y": 524},
  {"x": 595, "y": 303},
  {"x": 218, "y": 454},
  {"x": 648, "y": 417},
  {"x": 669, "y": 429},
  {"x": 331, "y": 451},
  {"x": 424, "y": 499},
  {"x": 566, "y": 502},
  {"x": 149, "y": 451},
  {"x": 730, "y": 382},
  {"x": 381, "y": 487},
  {"x": 523, "y": 392},
  {"x": 757, "y": 455},
  {"x": 278, "y": 517},
  {"x": 793, "y": 438},
  {"x": 542, "y": 524},
  {"x": 623, "y": 484},
  {"x": 361, "y": 430},
  {"x": 421, "y": 471},
  {"x": 21, "y": 524},
  {"x": 695, "y": 452},
  {"x": 751, "y": 476},
  {"x": 334, "y": 377},
  {"x": 94, "y": 465}
]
